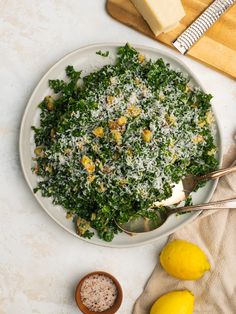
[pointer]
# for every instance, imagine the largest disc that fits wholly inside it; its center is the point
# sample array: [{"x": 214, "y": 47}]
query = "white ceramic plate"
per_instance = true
[{"x": 87, "y": 60}]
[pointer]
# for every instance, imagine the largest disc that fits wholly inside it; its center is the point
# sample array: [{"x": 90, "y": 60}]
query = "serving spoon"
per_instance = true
[
  {"x": 143, "y": 224},
  {"x": 188, "y": 184},
  {"x": 191, "y": 181},
  {"x": 180, "y": 192}
]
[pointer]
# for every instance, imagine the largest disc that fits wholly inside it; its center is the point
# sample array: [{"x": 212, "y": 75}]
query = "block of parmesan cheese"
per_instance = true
[{"x": 161, "y": 15}]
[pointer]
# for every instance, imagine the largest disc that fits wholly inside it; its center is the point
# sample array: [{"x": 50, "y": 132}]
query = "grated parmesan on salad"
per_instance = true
[{"x": 112, "y": 145}]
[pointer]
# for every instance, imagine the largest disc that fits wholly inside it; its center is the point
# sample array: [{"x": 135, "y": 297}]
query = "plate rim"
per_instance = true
[{"x": 27, "y": 108}]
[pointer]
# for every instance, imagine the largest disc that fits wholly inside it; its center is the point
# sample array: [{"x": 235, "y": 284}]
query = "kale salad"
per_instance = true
[{"x": 112, "y": 143}]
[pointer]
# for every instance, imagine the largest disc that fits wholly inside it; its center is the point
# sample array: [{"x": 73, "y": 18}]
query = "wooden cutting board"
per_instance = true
[{"x": 217, "y": 48}]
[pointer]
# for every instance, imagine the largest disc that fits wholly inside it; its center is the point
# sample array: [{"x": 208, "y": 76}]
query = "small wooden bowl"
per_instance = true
[{"x": 113, "y": 309}]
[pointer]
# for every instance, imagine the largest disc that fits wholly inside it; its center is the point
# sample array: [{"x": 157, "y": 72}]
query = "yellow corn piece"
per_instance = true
[
  {"x": 170, "y": 119},
  {"x": 91, "y": 178},
  {"x": 101, "y": 188},
  {"x": 198, "y": 139},
  {"x": 187, "y": 88},
  {"x": 98, "y": 132},
  {"x": 122, "y": 120},
  {"x": 129, "y": 152},
  {"x": 147, "y": 135},
  {"x": 113, "y": 125},
  {"x": 123, "y": 181},
  {"x": 88, "y": 164},
  {"x": 110, "y": 99},
  {"x": 141, "y": 58},
  {"x": 134, "y": 111},
  {"x": 211, "y": 152},
  {"x": 69, "y": 215},
  {"x": 49, "y": 102},
  {"x": 201, "y": 124},
  {"x": 116, "y": 135},
  {"x": 209, "y": 117},
  {"x": 39, "y": 151},
  {"x": 175, "y": 156}
]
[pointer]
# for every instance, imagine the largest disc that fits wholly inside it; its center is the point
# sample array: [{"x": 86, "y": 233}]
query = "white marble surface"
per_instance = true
[{"x": 40, "y": 263}]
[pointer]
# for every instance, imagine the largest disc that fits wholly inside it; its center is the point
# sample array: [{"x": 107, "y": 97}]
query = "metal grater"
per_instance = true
[{"x": 189, "y": 37}]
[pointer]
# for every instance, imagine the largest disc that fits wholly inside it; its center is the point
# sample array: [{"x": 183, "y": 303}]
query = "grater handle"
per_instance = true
[{"x": 193, "y": 33}]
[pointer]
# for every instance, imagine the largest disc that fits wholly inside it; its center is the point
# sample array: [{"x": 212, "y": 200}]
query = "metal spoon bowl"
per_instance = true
[
  {"x": 179, "y": 193},
  {"x": 143, "y": 224}
]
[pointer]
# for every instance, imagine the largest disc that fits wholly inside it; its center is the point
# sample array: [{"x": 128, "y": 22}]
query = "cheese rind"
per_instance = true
[{"x": 161, "y": 15}]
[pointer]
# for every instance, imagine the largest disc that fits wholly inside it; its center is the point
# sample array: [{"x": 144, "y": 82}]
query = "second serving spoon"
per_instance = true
[
  {"x": 180, "y": 192},
  {"x": 142, "y": 224}
]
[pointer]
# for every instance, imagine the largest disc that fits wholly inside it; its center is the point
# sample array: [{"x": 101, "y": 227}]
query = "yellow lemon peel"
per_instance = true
[
  {"x": 184, "y": 260},
  {"x": 174, "y": 302}
]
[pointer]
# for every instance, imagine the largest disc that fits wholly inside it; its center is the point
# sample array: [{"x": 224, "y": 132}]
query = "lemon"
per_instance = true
[
  {"x": 175, "y": 302},
  {"x": 184, "y": 260}
]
